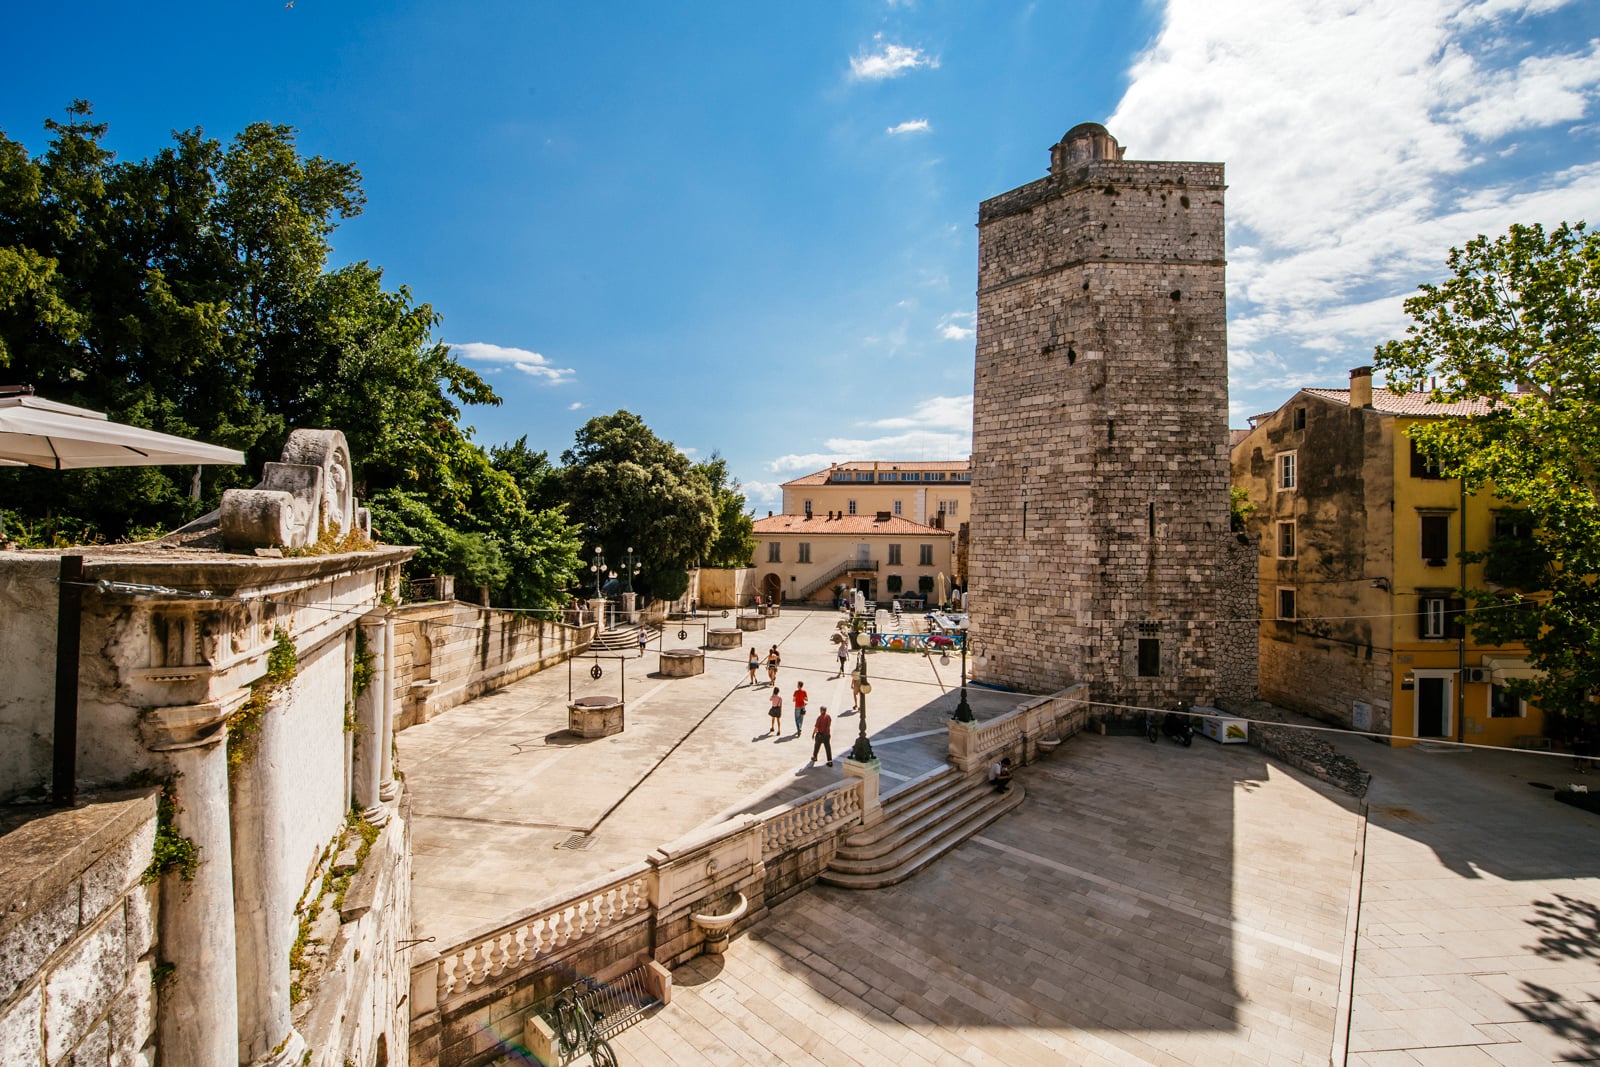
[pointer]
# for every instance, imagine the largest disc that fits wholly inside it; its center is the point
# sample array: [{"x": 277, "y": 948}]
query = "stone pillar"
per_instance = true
[
  {"x": 868, "y": 772},
  {"x": 198, "y": 1020},
  {"x": 264, "y": 925},
  {"x": 367, "y": 764},
  {"x": 630, "y": 604},
  {"x": 383, "y": 681},
  {"x": 598, "y": 606}
]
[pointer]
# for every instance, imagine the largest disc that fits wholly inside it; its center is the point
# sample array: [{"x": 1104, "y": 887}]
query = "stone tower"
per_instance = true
[{"x": 1100, "y": 433}]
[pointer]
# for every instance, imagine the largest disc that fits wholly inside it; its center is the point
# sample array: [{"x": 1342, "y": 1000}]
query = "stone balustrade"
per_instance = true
[
  {"x": 794, "y": 826},
  {"x": 1022, "y": 732}
]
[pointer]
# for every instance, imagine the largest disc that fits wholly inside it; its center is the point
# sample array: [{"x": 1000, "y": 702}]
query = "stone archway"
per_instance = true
[{"x": 771, "y": 588}]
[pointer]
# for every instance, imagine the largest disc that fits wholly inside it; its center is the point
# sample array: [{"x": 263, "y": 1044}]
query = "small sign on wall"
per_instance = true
[{"x": 1360, "y": 715}]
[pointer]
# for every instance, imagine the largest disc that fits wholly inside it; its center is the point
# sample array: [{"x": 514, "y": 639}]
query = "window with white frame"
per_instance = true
[
  {"x": 808, "y": 509},
  {"x": 1286, "y": 604},
  {"x": 897, "y": 507},
  {"x": 1286, "y": 545},
  {"x": 1286, "y": 469},
  {"x": 850, "y": 506}
]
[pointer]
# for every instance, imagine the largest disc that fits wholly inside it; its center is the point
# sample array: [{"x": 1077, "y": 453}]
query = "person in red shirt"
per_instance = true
[
  {"x": 799, "y": 707},
  {"x": 822, "y": 735}
]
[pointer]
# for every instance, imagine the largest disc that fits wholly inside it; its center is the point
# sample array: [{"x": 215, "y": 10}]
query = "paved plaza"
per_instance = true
[{"x": 1146, "y": 904}]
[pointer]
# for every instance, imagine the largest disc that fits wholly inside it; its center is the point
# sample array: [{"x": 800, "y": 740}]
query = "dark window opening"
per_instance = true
[
  {"x": 1286, "y": 605},
  {"x": 1435, "y": 539},
  {"x": 1299, "y": 418},
  {"x": 1149, "y": 657},
  {"x": 1422, "y": 466}
]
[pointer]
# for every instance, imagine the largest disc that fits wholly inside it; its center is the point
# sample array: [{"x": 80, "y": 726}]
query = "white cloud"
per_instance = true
[
  {"x": 575, "y": 405},
  {"x": 911, "y": 126},
  {"x": 939, "y": 428},
  {"x": 1363, "y": 140},
  {"x": 529, "y": 363},
  {"x": 934, "y": 413},
  {"x": 958, "y": 326},
  {"x": 888, "y": 61}
]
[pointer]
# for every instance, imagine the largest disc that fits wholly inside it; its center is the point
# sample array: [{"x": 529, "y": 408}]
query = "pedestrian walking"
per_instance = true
[
  {"x": 799, "y": 707},
  {"x": 772, "y": 666},
  {"x": 775, "y": 708},
  {"x": 844, "y": 656},
  {"x": 822, "y": 735},
  {"x": 755, "y": 662},
  {"x": 855, "y": 691},
  {"x": 644, "y": 640}
]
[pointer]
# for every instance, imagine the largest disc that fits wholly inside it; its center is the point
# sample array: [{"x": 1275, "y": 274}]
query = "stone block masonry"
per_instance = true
[
  {"x": 1100, "y": 463},
  {"x": 78, "y": 978}
]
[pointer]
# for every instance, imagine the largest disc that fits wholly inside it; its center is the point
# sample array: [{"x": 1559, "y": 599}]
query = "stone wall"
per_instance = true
[
  {"x": 1238, "y": 623},
  {"x": 720, "y": 588},
  {"x": 1100, "y": 432},
  {"x": 1325, "y": 678},
  {"x": 449, "y": 652},
  {"x": 78, "y": 953}
]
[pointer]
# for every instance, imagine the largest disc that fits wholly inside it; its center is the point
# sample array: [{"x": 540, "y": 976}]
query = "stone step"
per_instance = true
[
  {"x": 619, "y": 638},
  {"x": 931, "y": 845},
  {"x": 943, "y": 809},
  {"x": 910, "y": 805}
]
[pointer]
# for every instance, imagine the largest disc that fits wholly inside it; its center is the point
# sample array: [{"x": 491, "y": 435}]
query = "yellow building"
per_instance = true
[
  {"x": 935, "y": 494},
  {"x": 806, "y": 557},
  {"x": 1360, "y": 541}
]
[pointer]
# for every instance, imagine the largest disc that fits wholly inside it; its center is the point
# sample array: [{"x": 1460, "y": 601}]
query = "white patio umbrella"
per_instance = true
[{"x": 43, "y": 433}]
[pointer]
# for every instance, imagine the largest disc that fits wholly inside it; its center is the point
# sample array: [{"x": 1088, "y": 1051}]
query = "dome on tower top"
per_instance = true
[{"x": 1084, "y": 143}]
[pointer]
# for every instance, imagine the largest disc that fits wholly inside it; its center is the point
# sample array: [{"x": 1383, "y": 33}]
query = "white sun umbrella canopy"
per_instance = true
[{"x": 43, "y": 433}]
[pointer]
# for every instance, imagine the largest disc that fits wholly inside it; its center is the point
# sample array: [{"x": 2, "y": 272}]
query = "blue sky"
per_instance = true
[{"x": 753, "y": 224}]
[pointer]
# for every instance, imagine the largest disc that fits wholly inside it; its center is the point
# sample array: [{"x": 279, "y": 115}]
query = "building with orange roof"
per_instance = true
[
  {"x": 1363, "y": 623},
  {"x": 935, "y": 493},
  {"x": 808, "y": 557}
]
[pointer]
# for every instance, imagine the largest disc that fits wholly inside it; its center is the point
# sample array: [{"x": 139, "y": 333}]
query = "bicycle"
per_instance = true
[{"x": 578, "y": 1030}]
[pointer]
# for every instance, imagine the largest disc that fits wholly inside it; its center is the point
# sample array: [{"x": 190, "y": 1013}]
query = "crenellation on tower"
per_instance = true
[{"x": 1100, "y": 462}]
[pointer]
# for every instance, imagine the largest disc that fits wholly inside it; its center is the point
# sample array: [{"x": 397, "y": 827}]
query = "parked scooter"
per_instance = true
[{"x": 1176, "y": 725}]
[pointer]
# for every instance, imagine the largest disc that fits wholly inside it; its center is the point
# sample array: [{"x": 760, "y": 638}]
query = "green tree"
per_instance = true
[
  {"x": 735, "y": 542},
  {"x": 1518, "y": 323},
  {"x": 628, "y": 488}
]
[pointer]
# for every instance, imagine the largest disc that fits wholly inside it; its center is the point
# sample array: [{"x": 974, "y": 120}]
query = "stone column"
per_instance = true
[
  {"x": 264, "y": 924},
  {"x": 871, "y": 809},
  {"x": 198, "y": 1020},
  {"x": 598, "y": 606},
  {"x": 630, "y": 603},
  {"x": 367, "y": 764},
  {"x": 383, "y": 684}
]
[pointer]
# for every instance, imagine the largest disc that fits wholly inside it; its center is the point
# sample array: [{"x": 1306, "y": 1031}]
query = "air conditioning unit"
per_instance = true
[{"x": 1475, "y": 674}]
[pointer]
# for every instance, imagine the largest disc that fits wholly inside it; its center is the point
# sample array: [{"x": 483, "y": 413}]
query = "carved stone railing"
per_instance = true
[
  {"x": 1037, "y": 724},
  {"x": 814, "y": 815}
]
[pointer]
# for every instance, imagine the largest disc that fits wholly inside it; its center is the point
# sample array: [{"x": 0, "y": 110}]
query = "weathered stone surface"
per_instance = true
[
  {"x": 20, "y": 1029},
  {"x": 133, "y": 1015},
  {"x": 25, "y": 947},
  {"x": 82, "y": 985},
  {"x": 1100, "y": 440},
  {"x": 95, "y": 1049}
]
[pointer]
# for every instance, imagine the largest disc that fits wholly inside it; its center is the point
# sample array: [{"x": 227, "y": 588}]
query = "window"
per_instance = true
[
  {"x": 1149, "y": 657},
  {"x": 1441, "y": 616},
  {"x": 1286, "y": 540},
  {"x": 1512, "y": 524},
  {"x": 850, "y": 506},
  {"x": 948, "y": 507},
  {"x": 1286, "y": 470},
  {"x": 910, "y": 476},
  {"x": 888, "y": 476},
  {"x": 1435, "y": 539},
  {"x": 894, "y": 555},
  {"x": 804, "y": 551},
  {"x": 1423, "y": 467},
  {"x": 934, "y": 476},
  {"x": 1286, "y": 604},
  {"x": 808, "y": 509},
  {"x": 897, "y": 507},
  {"x": 925, "y": 556},
  {"x": 1299, "y": 418},
  {"x": 1504, "y": 704},
  {"x": 774, "y": 552}
]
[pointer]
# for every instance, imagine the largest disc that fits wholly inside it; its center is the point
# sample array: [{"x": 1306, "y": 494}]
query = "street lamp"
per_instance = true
[
  {"x": 630, "y": 567},
  {"x": 862, "y": 752},
  {"x": 963, "y": 709},
  {"x": 599, "y": 568}
]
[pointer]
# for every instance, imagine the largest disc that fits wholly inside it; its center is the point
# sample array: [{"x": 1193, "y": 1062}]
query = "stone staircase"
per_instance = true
[
  {"x": 620, "y": 638},
  {"x": 920, "y": 823}
]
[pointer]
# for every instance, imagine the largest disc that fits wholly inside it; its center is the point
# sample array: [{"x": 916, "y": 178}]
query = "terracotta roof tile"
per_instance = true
[
  {"x": 818, "y": 523},
  {"x": 821, "y": 477},
  {"x": 1386, "y": 403}
]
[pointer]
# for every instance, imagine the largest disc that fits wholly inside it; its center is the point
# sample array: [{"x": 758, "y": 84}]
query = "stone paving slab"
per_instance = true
[{"x": 1079, "y": 929}]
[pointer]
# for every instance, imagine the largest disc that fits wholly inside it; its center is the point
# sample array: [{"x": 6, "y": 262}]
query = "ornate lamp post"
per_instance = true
[
  {"x": 599, "y": 569},
  {"x": 630, "y": 568},
  {"x": 964, "y": 710},
  {"x": 862, "y": 752}
]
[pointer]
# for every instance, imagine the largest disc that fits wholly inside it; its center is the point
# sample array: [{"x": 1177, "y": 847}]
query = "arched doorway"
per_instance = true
[{"x": 771, "y": 588}]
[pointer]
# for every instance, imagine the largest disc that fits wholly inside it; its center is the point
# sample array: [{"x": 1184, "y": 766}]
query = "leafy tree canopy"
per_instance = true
[
  {"x": 190, "y": 293},
  {"x": 1518, "y": 322},
  {"x": 735, "y": 541}
]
